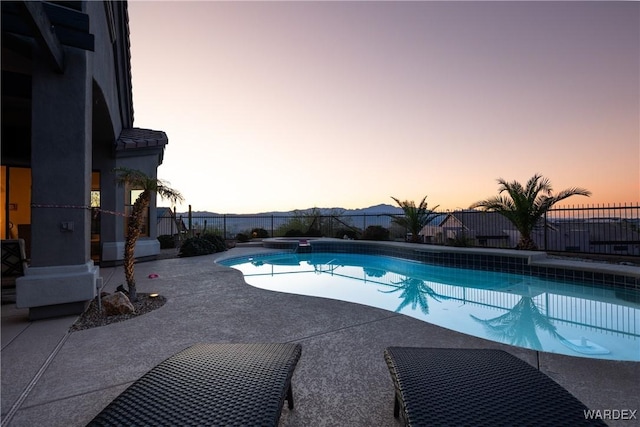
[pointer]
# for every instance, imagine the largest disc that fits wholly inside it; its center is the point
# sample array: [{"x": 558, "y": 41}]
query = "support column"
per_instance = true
[{"x": 62, "y": 277}]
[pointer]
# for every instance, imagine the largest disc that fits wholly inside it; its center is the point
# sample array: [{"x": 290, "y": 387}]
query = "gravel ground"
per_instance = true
[{"x": 93, "y": 317}]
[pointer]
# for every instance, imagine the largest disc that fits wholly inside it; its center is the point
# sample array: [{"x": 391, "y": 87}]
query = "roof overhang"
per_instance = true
[
  {"x": 52, "y": 24},
  {"x": 141, "y": 142}
]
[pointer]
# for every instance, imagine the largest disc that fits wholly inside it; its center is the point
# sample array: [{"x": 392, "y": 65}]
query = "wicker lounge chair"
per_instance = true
[
  {"x": 207, "y": 385},
  {"x": 14, "y": 264},
  {"x": 476, "y": 387}
]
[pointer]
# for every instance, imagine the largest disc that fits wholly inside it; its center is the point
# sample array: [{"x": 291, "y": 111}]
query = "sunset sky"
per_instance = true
[{"x": 290, "y": 105}]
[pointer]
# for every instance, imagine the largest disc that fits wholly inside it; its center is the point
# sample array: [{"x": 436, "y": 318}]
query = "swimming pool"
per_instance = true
[{"x": 521, "y": 310}]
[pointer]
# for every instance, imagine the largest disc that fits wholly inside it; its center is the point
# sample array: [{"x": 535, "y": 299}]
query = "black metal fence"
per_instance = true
[{"x": 595, "y": 229}]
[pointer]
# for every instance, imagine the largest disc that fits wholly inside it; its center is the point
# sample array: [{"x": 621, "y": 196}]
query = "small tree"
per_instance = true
[
  {"x": 140, "y": 181},
  {"x": 525, "y": 205},
  {"x": 303, "y": 223},
  {"x": 415, "y": 217}
]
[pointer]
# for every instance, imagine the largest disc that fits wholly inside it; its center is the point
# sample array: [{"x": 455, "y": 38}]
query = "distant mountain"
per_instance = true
[
  {"x": 377, "y": 209},
  {"x": 371, "y": 210},
  {"x": 236, "y": 223}
]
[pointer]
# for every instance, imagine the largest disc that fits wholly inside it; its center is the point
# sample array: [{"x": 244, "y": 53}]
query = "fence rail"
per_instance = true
[{"x": 599, "y": 229}]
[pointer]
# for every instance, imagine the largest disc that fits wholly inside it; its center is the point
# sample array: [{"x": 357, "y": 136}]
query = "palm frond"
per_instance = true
[
  {"x": 574, "y": 191},
  {"x": 415, "y": 217},
  {"x": 525, "y": 205}
]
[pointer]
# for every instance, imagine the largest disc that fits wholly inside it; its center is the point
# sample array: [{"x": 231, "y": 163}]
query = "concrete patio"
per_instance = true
[{"x": 54, "y": 378}]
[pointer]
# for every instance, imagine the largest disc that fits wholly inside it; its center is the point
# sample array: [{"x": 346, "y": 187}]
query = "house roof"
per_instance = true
[
  {"x": 438, "y": 220},
  {"x": 484, "y": 223},
  {"x": 163, "y": 212},
  {"x": 134, "y": 138}
]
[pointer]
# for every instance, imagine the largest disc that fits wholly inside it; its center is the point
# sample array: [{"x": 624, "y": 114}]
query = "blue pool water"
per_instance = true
[{"x": 525, "y": 311}]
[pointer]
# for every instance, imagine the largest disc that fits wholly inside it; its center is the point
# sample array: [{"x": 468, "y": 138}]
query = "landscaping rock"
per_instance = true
[{"x": 117, "y": 303}]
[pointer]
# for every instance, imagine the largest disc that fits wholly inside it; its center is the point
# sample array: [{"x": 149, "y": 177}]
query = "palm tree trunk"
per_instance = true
[
  {"x": 526, "y": 243},
  {"x": 129, "y": 248},
  {"x": 133, "y": 232}
]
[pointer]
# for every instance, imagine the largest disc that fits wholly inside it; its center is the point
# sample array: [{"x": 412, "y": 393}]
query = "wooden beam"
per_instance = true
[
  {"x": 71, "y": 26},
  {"x": 45, "y": 33}
]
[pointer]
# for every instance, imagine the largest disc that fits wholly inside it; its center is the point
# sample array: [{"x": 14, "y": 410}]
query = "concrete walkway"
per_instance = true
[{"x": 54, "y": 378}]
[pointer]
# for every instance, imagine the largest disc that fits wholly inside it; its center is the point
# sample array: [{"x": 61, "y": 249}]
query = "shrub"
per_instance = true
[
  {"x": 216, "y": 240},
  {"x": 259, "y": 233},
  {"x": 375, "y": 232},
  {"x": 166, "y": 241},
  {"x": 461, "y": 240},
  {"x": 313, "y": 232},
  {"x": 196, "y": 246},
  {"x": 351, "y": 234},
  {"x": 242, "y": 238},
  {"x": 294, "y": 233}
]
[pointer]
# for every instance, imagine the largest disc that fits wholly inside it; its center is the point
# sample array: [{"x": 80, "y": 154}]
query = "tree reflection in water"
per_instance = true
[
  {"x": 519, "y": 325},
  {"x": 374, "y": 272},
  {"x": 414, "y": 292}
]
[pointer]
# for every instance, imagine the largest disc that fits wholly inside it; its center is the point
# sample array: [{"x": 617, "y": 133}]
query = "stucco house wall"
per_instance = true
[{"x": 80, "y": 122}]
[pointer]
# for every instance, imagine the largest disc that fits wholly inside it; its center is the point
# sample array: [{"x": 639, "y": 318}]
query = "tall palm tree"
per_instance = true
[
  {"x": 525, "y": 205},
  {"x": 415, "y": 217},
  {"x": 138, "y": 180}
]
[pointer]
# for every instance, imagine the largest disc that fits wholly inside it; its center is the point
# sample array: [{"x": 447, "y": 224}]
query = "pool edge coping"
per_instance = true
[{"x": 536, "y": 262}]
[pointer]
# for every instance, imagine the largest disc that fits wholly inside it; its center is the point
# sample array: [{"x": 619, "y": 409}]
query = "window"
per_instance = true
[{"x": 15, "y": 204}]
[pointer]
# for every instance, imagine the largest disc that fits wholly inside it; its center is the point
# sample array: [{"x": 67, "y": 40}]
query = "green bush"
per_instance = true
[
  {"x": 166, "y": 241},
  {"x": 196, "y": 246},
  {"x": 313, "y": 232},
  {"x": 259, "y": 233},
  {"x": 242, "y": 238},
  {"x": 216, "y": 240},
  {"x": 351, "y": 234},
  {"x": 375, "y": 232},
  {"x": 461, "y": 240},
  {"x": 294, "y": 233}
]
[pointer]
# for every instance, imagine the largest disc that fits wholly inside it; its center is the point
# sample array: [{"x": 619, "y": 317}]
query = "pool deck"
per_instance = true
[{"x": 54, "y": 378}]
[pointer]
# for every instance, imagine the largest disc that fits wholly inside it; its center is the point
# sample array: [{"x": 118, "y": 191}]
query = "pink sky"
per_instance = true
[{"x": 290, "y": 105}]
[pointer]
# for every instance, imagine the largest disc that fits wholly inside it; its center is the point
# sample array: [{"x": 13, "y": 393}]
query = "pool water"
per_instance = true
[{"x": 539, "y": 314}]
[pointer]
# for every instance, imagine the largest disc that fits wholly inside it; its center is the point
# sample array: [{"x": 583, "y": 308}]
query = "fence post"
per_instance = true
[
  {"x": 173, "y": 221},
  {"x": 224, "y": 225},
  {"x": 190, "y": 223},
  {"x": 272, "y": 226},
  {"x": 545, "y": 230}
]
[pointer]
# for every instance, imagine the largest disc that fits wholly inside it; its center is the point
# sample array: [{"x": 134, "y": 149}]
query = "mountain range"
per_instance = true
[
  {"x": 371, "y": 210},
  {"x": 235, "y": 223}
]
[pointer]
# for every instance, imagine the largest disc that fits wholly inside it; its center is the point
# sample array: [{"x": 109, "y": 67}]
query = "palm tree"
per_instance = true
[
  {"x": 525, "y": 205},
  {"x": 140, "y": 181},
  {"x": 415, "y": 217}
]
